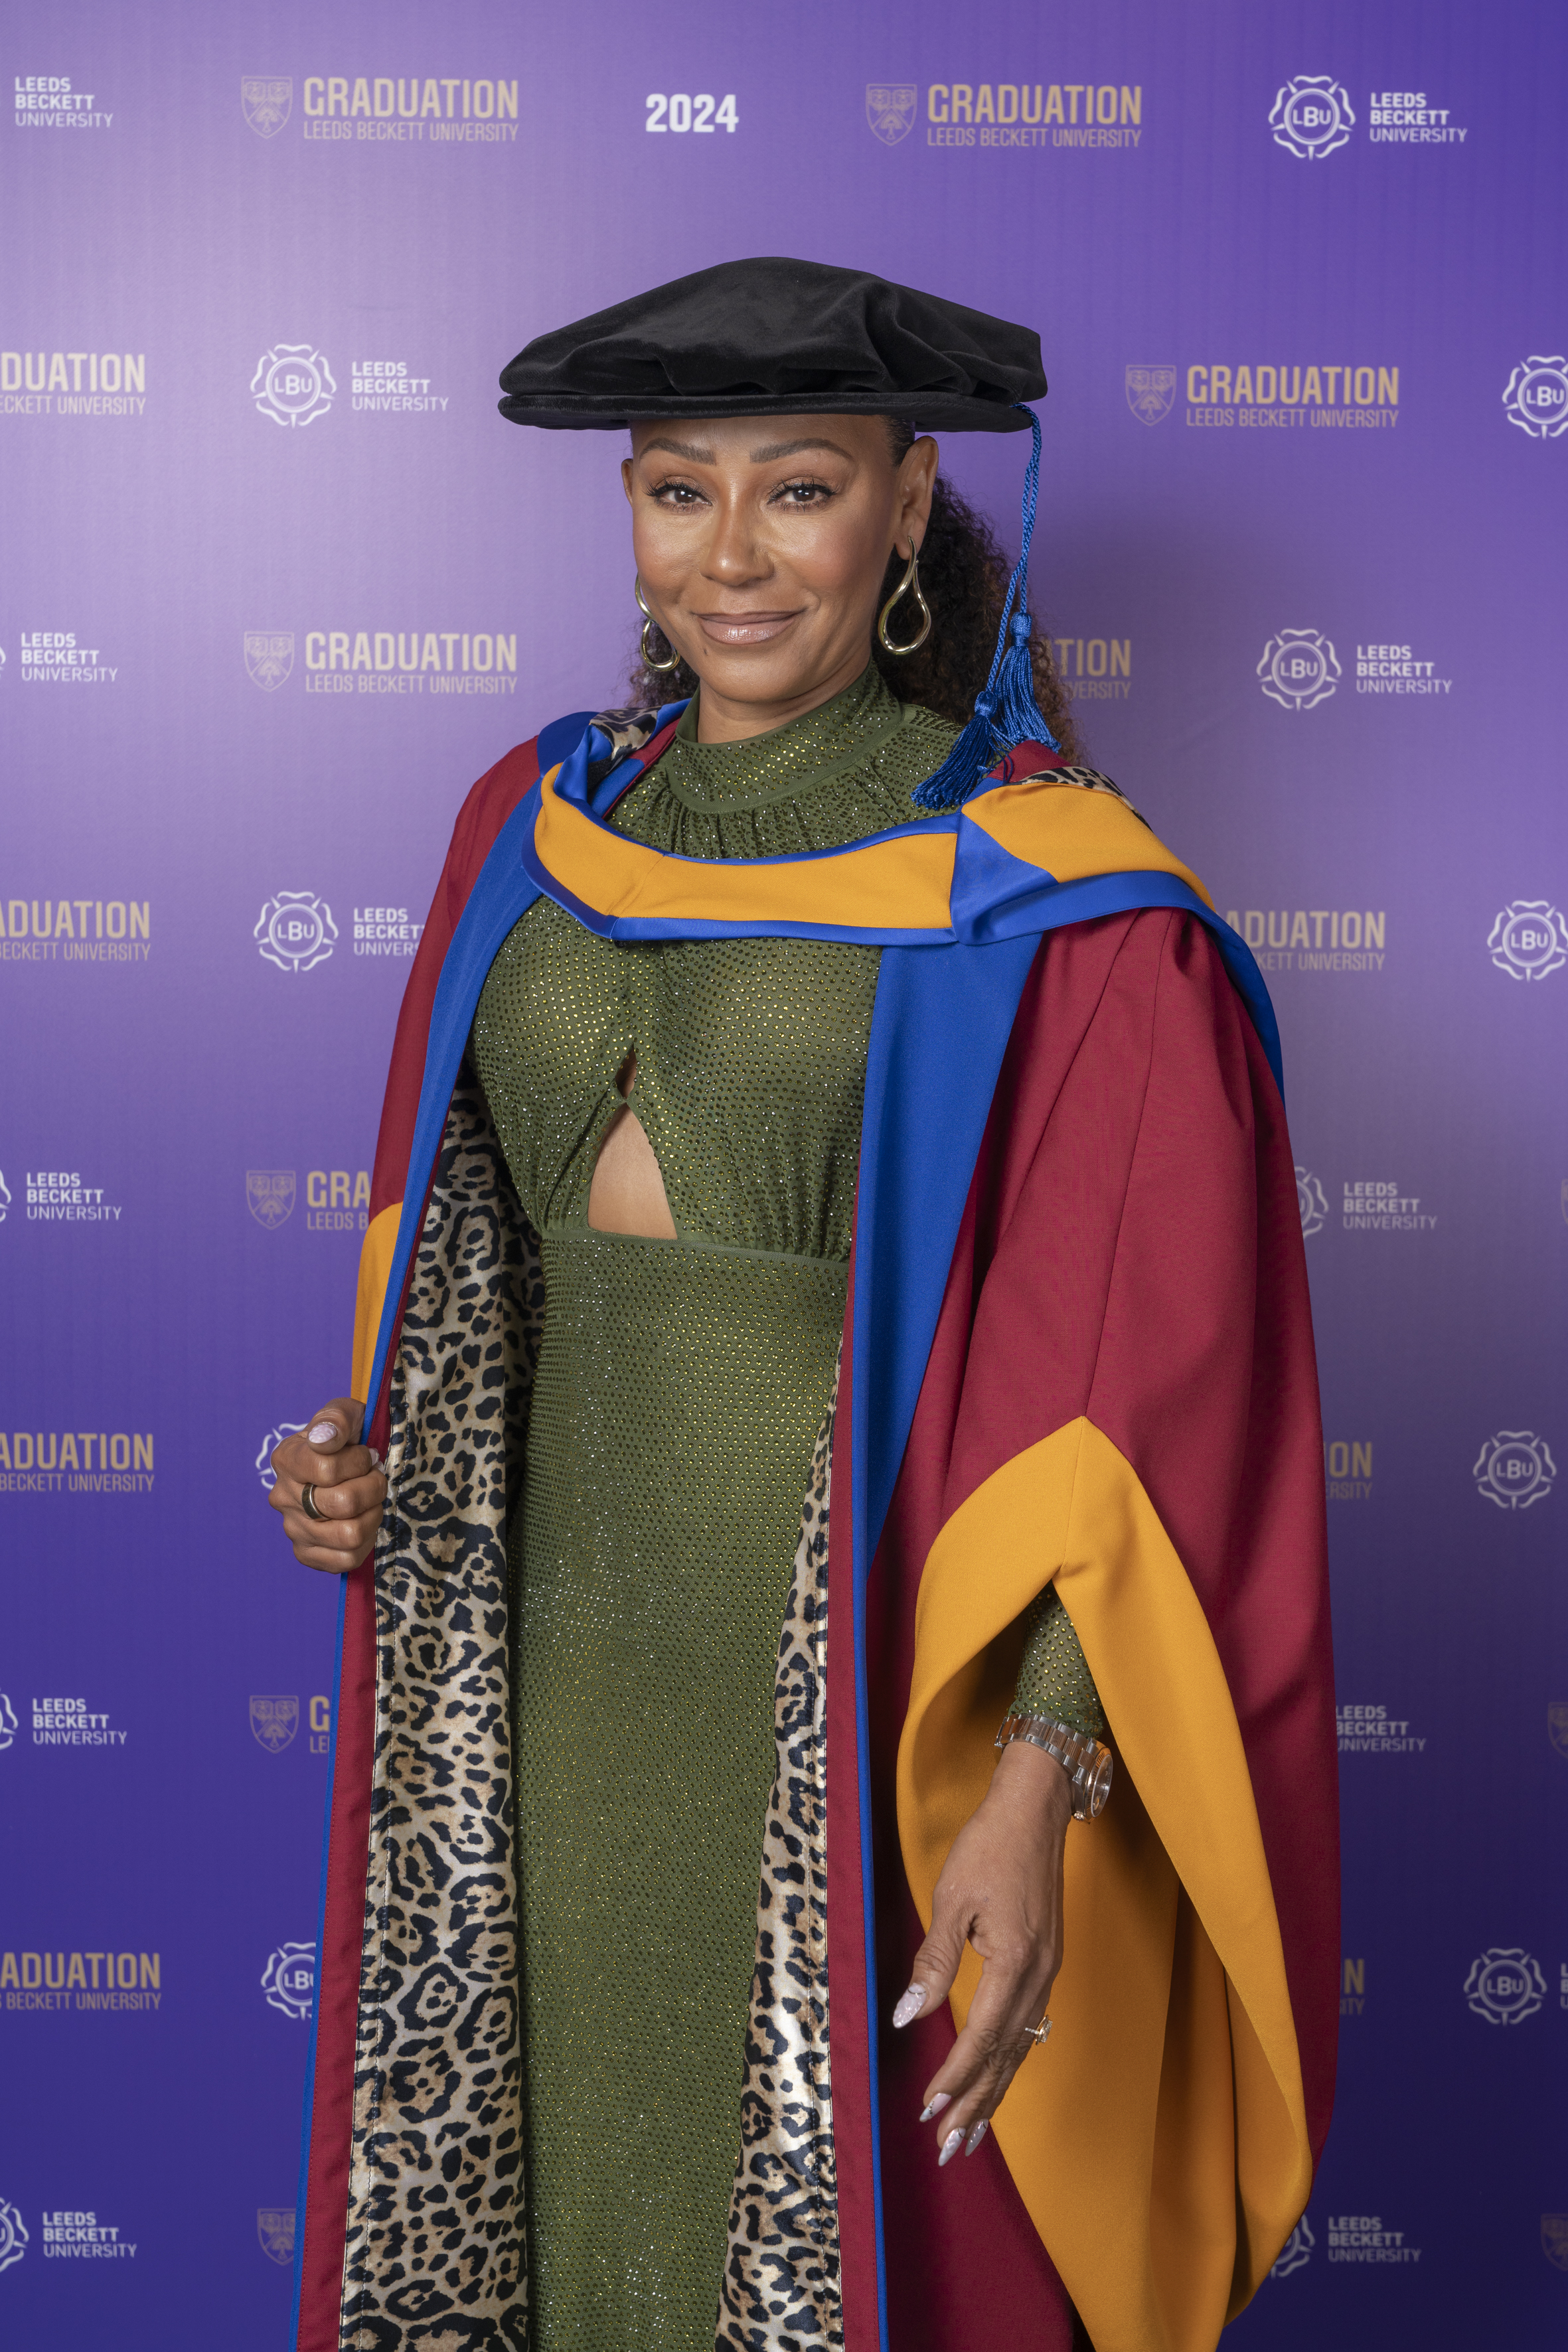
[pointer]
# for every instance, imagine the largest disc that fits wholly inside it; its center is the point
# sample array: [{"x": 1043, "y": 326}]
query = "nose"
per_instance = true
[{"x": 734, "y": 554}]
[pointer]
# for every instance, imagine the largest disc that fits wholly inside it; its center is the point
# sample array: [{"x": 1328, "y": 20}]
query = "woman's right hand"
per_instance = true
[{"x": 349, "y": 1488}]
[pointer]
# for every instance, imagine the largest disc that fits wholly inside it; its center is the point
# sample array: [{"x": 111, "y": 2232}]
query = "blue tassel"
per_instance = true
[{"x": 1005, "y": 713}]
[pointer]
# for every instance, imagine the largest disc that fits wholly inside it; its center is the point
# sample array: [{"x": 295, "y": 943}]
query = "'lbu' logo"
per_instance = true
[
  {"x": 1311, "y": 1203},
  {"x": 274, "y": 1722},
  {"x": 1505, "y": 1986},
  {"x": 13, "y": 2234},
  {"x": 267, "y": 99},
  {"x": 891, "y": 110},
  {"x": 1515, "y": 1469},
  {"x": 296, "y": 931},
  {"x": 1300, "y": 668},
  {"x": 269, "y": 657},
  {"x": 269, "y": 1194},
  {"x": 275, "y": 2227},
  {"x": 1528, "y": 940},
  {"x": 268, "y": 1447},
  {"x": 289, "y": 1979},
  {"x": 292, "y": 384},
  {"x": 1536, "y": 396},
  {"x": 1297, "y": 2250},
  {"x": 1149, "y": 392},
  {"x": 1311, "y": 116}
]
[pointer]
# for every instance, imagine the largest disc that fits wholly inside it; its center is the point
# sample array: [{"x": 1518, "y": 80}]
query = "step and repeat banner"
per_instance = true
[{"x": 279, "y": 583}]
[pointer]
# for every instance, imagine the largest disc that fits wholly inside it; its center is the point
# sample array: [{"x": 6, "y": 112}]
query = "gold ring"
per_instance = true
[
  {"x": 1041, "y": 2033},
  {"x": 308, "y": 1502}
]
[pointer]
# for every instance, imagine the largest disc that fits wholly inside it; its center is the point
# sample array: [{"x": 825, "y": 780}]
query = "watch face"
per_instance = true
[{"x": 1100, "y": 1784}]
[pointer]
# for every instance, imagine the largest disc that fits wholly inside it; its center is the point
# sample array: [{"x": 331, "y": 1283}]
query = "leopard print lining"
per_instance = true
[
  {"x": 781, "y": 2290},
  {"x": 1088, "y": 780},
  {"x": 435, "y": 2252},
  {"x": 626, "y": 731}
]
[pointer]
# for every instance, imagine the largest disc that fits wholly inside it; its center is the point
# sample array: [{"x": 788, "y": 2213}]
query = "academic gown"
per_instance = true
[{"x": 1077, "y": 1347}]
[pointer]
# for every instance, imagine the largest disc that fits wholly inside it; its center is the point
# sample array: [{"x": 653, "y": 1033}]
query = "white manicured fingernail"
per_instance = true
[
  {"x": 909, "y": 2004},
  {"x": 949, "y": 2147},
  {"x": 975, "y": 2136},
  {"x": 323, "y": 1431},
  {"x": 940, "y": 2099}
]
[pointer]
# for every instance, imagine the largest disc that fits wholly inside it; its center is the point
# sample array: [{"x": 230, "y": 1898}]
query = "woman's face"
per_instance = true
[{"x": 762, "y": 543}]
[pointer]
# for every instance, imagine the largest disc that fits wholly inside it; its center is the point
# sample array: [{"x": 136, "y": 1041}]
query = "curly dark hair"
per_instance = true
[{"x": 964, "y": 575}]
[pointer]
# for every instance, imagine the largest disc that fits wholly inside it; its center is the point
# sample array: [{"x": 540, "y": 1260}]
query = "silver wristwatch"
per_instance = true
[{"x": 1086, "y": 1762}]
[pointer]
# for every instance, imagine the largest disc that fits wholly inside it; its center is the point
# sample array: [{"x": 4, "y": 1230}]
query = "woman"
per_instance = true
[{"x": 803, "y": 1090}]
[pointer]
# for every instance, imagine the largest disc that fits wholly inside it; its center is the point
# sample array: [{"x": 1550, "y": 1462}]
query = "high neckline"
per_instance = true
[{"x": 788, "y": 760}]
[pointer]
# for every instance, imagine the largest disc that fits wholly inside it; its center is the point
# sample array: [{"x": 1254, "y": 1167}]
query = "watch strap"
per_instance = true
[{"x": 1086, "y": 1762}]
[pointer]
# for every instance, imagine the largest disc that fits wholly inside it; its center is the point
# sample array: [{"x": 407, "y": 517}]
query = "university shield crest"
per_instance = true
[
  {"x": 891, "y": 110},
  {"x": 1149, "y": 392},
  {"x": 275, "y": 2227},
  {"x": 267, "y": 99},
  {"x": 269, "y": 1195},
  {"x": 273, "y": 1722},
  {"x": 1555, "y": 2239},
  {"x": 1557, "y": 1726},
  {"x": 269, "y": 657}
]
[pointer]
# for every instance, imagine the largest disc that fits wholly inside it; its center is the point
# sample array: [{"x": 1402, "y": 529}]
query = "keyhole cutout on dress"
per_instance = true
[{"x": 627, "y": 1194}]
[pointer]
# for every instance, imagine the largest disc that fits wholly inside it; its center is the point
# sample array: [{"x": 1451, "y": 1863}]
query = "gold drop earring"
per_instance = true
[
  {"x": 909, "y": 585},
  {"x": 663, "y": 668}
]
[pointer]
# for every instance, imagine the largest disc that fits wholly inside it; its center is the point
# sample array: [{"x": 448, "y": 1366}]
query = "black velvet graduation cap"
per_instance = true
[{"x": 779, "y": 337}]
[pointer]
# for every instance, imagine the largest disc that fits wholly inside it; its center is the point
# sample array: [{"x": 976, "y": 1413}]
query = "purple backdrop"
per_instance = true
[{"x": 281, "y": 583}]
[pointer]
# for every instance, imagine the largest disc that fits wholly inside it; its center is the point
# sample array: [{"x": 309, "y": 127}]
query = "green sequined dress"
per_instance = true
[{"x": 678, "y": 1394}]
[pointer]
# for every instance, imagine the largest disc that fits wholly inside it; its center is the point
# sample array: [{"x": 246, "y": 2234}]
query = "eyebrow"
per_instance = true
[{"x": 766, "y": 456}]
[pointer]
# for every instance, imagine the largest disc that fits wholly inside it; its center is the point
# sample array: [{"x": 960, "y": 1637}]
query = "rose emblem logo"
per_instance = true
[
  {"x": 296, "y": 931},
  {"x": 292, "y": 384},
  {"x": 289, "y": 1979},
  {"x": 1300, "y": 668},
  {"x": 7, "y": 1721},
  {"x": 1311, "y": 116},
  {"x": 1536, "y": 397},
  {"x": 268, "y": 1446},
  {"x": 1296, "y": 2250},
  {"x": 1515, "y": 1469},
  {"x": 1313, "y": 1202},
  {"x": 1505, "y": 1987},
  {"x": 13, "y": 2234},
  {"x": 1528, "y": 940}
]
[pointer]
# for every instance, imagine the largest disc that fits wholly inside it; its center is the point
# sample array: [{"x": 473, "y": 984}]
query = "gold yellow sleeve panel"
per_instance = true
[
  {"x": 375, "y": 1269},
  {"x": 1160, "y": 2143}
]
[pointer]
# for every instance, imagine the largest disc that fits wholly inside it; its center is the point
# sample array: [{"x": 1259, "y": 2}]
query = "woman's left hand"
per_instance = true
[{"x": 1000, "y": 1890}]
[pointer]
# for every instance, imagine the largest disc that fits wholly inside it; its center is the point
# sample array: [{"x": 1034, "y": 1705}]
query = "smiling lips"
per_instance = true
[{"x": 743, "y": 628}]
